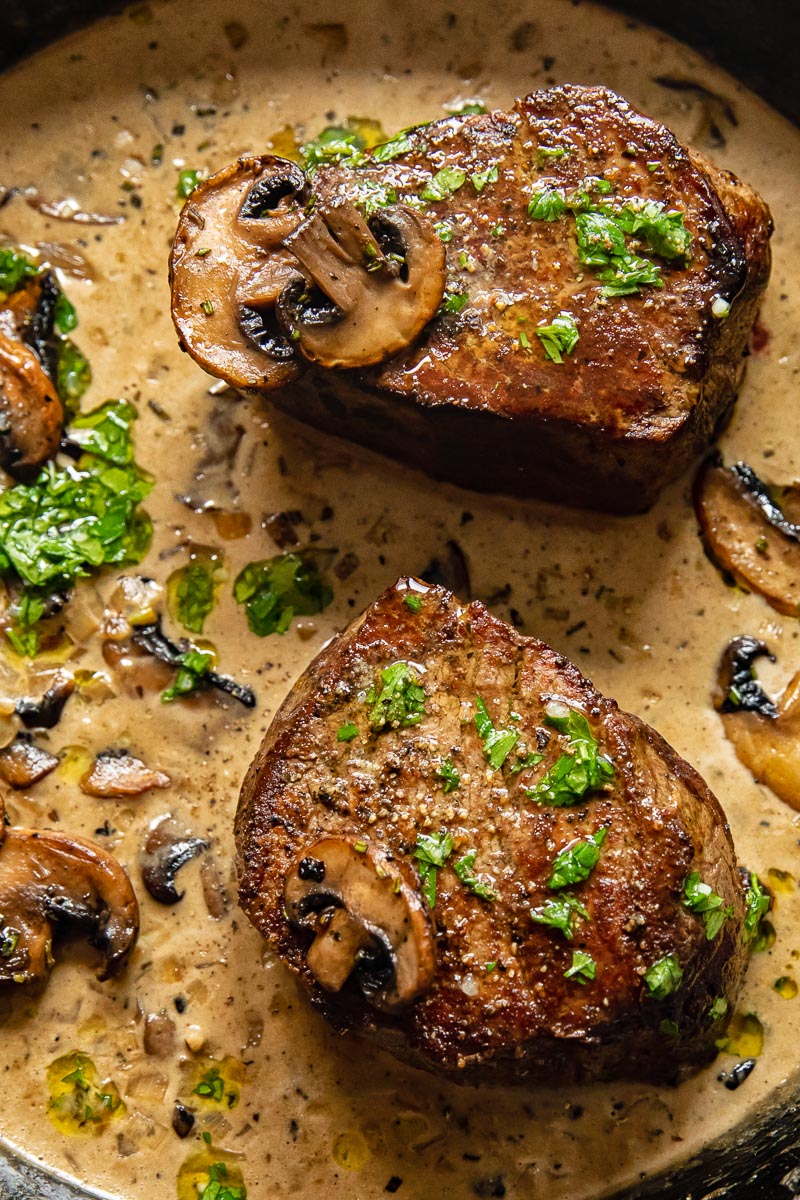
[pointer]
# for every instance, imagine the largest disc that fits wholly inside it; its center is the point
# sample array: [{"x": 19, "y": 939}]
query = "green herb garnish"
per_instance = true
[
  {"x": 583, "y": 967},
  {"x": 346, "y": 732},
  {"x": 398, "y": 701},
  {"x": 432, "y": 852},
  {"x": 757, "y": 905},
  {"x": 579, "y": 770},
  {"x": 719, "y": 1007},
  {"x": 479, "y": 179},
  {"x": 193, "y": 666},
  {"x": 453, "y": 302},
  {"x": 558, "y": 338},
  {"x": 663, "y": 977},
  {"x": 275, "y": 590},
  {"x": 412, "y": 601},
  {"x": 449, "y": 776},
  {"x": 560, "y": 914},
  {"x": 547, "y": 204},
  {"x": 576, "y": 863},
  {"x": 194, "y": 593},
  {"x": 443, "y": 184},
  {"x": 65, "y": 317},
  {"x": 497, "y": 743},
  {"x": 218, "y": 1188},
  {"x": 699, "y": 898},
  {"x": 400, "y": 144},
  {"x": 15, "y": 268},
  {"x": 546, "y": 154},
  {"x": 211, "y": 1085},
  {"x": 187, "y": 182},
  {"x": 73, "y": 373},
  {"x": 463, "y": 869}
]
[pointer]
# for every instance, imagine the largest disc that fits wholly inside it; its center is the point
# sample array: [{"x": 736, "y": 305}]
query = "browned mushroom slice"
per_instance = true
[
  {"x": 115, "y": 774},
  {"x": 228, "y": 268},
  {"x": 48, "y": 880},
  {"x": 377, "y": 284},
  {"x": 748, "y": 531},
  {"x": 368, "y": 918},
  {"x": 765, "y": 734},
  {"x": 23, "y": 763},
  {"x": 31, "y": 413},
  {"x": 165, "y": 851}
]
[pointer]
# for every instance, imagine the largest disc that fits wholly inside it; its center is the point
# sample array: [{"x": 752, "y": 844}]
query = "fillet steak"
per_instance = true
[
  {"x": 599, "y": 282},
  {"x": 465, "y": 851}
]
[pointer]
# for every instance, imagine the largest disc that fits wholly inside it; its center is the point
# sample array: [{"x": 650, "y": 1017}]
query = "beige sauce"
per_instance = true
[{"x": 634, "y": 602}]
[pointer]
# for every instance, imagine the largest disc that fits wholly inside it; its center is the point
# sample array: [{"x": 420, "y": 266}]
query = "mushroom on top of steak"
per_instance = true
[
  {"x": 463, "y": 849},
  {"x": 263, "y": 276},
  {"x": 50, "y": 880},
  {"x": 601, "y": 282}
]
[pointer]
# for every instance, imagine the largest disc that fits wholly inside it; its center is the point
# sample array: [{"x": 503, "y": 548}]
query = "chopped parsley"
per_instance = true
[
  {"x": 400, "y": 144},
  {"x": 211, "y": 1085},
  {"x": 192, "y": 594},
  {"x": 187, "y": 182},
  {"x": 432, "y": 852},
  {"x": 699, "y": 898},
  {"x": 479, "y": 179},
  {"x": 560, "y": 914},
  {"x": 397, "y": 701},
  {"x": 558, "y": 338},
  {"x": 497, "y": 743},
  {"x": 412, "y": 601},
  {"x": 463, "y": 869},
  {"x": 218, "y": 1187},
  {"x": 193, "y": 666},
  {"x": 524, "y": 762},
  {"x": 545, "y": 154},
  {"x": 579, "y": 770},
  {"x": 663, "y": 977},
  {"x": 547, "y": 204},
  {"x": 275, "y": 590},
  {"x": 15, "y": 268},
  {"x": 663, "y": 230},
  {"x": 719, "y": 1007},
  {"x": 65, "y": 317},
  {"x": 443, "y": 184},
  {"x": 76, "y": 518},
  {"x": 73, "y": 373},
  {"x": 453, "y": 302},
  {"x": 346, "y": 732},
  {"x": 444, "y": 231},
  {"x": 449, "y": 776},
  {"x": 576, "y": 863},
  {"x": 757, "y": 905},
  {"x": 583, "y": 967}
]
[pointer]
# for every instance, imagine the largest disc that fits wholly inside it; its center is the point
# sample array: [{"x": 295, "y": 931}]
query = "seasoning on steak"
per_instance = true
[
  {"x": 464, "y": 850},
  {"x": 572, "y": 358}
]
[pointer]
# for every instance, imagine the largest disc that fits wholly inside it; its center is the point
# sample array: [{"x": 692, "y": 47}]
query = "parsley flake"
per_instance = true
[
  {"x": 432, "y": 852},
  {"x": 479, "y": 179},
  {"x": 413, "y": 601},
  {"x": 583, "y": 967},
  {"x": 443, "y": 184},
  {"x": 576, "y": 863},
  {"x": 547, "y": 204},
  {"x": 187, "y": 182},
  {"x": 699, "y": 898},
  {"x": 276, "y": 590},
  {"x": 450, "y": 777},
  {"x": 757, "y": 905},
  {"x": 663, "y": 977},
  {"x": 398, "y": 701},
  {"x": 192, "y": 594},
  {"x": 560, "y": 913},
  {"x": 346, "y": 732},
  {"x": 193, "y": 665},
  {"x": 579, "y": 770},
  {"x": 497, "y": 743},
  {"x": 558, "y": 338},
  {"x": 463, "y": 869}
]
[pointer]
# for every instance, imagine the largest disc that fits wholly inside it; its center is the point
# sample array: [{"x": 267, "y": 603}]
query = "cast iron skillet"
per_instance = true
[{"x": 756, "y": 42}]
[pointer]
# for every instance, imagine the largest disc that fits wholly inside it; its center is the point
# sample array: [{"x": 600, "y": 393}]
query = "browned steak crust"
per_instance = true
[
  {"x": 522, "y": 1017},
  {"x": 653, "y": 376}
]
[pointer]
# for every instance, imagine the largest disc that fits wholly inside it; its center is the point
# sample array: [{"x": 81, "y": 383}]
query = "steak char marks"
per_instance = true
[
  {"x": 654, "y": 374},
  {"x": 488, "y": 984}
]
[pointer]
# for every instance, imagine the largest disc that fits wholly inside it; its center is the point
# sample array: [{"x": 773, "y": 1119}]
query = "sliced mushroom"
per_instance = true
[
  {"x": 114, "y": 773},
  {"x": 48, "y": 880},
  {"x": 152, "y": 640},
  {"x": 45, "y": 712},
  {"x": 31, "y": 413},
  {"x": 368, "y": 918},
  {"x": 228, "y": 268},
  {"x": 165, "y": 851},
  {"x": 377, "y": 284},
  {"x": 748, "y": 532},
  {"x": 23, "y": 763},
  {"x": 765, "y": 734}
]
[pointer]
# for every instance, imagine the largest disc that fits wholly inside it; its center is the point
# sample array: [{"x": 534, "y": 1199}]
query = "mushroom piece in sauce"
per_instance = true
[
  {"x": 49, "y": 879},
  {"x": 748, "y": 529},
  {"x": 115, "y": 773},
  {"x": 368, "y": 919},
  {"x": 31, "y": 413},
  {"x": 765, "y": 734},
  {"x": 377, "y": 284},
  {"x": 228, "y": 267},
  {"x": 164, "y": 852}
]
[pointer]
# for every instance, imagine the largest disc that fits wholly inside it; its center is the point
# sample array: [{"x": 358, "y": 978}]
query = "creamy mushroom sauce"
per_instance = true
[{"x": 634, "y": 602}]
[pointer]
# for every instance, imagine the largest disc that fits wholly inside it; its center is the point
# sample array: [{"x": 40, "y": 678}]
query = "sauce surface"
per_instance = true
[{"x": 633, "y": 602}]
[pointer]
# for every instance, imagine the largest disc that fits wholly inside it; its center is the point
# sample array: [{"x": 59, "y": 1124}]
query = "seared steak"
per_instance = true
[
  {"x": 573, "y": 210},
  {"x": 463, "y": 849}
]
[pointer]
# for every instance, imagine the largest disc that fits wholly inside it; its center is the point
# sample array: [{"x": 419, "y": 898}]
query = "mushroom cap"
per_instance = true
[
  {"x": 228, "y": 268},
  {"x": 385, "y": 279},
  {"x": 48, "y": 878},
  {"x": 369, "y": 917},
  {"x": 31, "y": 412}
]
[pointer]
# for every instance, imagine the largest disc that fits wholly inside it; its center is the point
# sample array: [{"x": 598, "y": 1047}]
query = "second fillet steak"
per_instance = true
[
  {"x": 599, "y": 283},
  {"x": 466, "y": 852}
]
